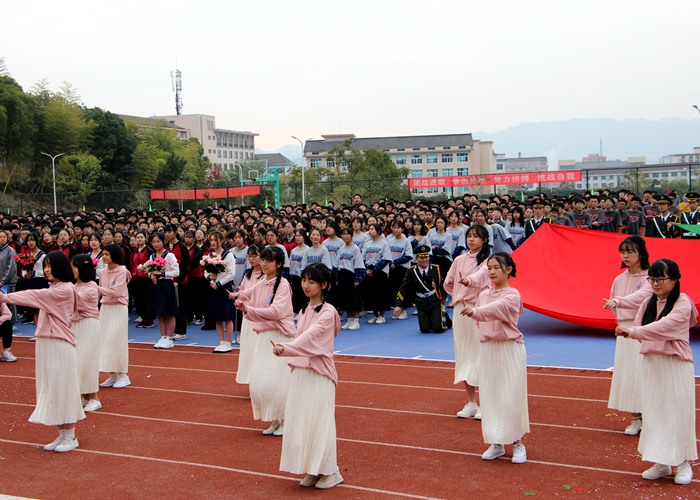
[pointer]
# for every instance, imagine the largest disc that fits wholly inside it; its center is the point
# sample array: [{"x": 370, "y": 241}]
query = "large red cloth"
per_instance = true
[{"x": 565, "y": 272}]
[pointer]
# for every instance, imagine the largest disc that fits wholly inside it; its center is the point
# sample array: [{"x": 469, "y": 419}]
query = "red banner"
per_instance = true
[
  {"x": 204, "y": 194},
  {"x": 496, "y": 179}
]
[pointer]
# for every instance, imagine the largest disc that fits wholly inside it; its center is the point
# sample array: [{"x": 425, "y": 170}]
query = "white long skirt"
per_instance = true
[
  {"x": 309, "y": 444},
  {"x": 269, "y": 379},
  {"x": 503, "y": 392},
  {"x": 625, "y": 394},
  {"x": 668, "y": 410},
  {"x": 114, "y": 331},
  {"x": 57, "y": 387},
  {"x": 467, "y": 347},
  {"x": 248, "y": 346},
  {"x": 87, "y": 336}
]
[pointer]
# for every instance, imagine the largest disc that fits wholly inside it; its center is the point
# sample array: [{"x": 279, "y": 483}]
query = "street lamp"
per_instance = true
[
  {"x": 303, "y": 163},
  {"x": 696, "y": 108},
  {"x": 53, "y": 170}
]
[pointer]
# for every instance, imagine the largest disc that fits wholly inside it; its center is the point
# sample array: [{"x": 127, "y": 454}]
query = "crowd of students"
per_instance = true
[{"x": 248, "y": 273}]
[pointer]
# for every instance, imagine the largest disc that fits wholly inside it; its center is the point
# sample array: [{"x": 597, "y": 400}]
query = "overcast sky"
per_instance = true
[{"x": 373, "y": 68}]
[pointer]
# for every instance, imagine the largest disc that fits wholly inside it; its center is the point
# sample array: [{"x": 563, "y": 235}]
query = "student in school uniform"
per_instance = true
[
  {"x": 57, "y": 385},
  {"x": 248, "y": 341},
  {"x": 221, "y": 283},
  {"x": 377, "y": 256},
  {"x": 667, "y": 378},
  {"x": 350, "y": 275},
  {"x": 309, "y": 443},
  {"x": 163, "y": 296},
  {"x": 503, "y": 363},
  {"x": 296, "y": 266}
]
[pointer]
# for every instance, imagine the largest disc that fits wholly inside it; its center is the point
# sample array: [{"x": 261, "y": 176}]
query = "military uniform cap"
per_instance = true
[
  {"x": 693, "y": 196},
  {"x": 422, "y": 251},
  {"x": 665, "y": 199},
  {"x": 537, "y": 202}
]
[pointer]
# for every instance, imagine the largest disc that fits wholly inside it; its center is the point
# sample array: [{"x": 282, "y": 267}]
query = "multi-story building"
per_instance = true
[
  {"x": 223, "y": 147},
  {"x": 693, "y": 157},
  {"x": 424, "y": 155},
  {"x": 521, "y": 164}
]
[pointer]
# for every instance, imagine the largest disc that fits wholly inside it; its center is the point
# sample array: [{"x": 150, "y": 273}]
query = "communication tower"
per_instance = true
[{"x": 176, "y": 75}]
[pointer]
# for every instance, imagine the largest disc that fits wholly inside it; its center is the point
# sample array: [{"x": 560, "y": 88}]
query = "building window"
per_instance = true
[
  {"x": 218, "y": 153},
  {"x": 209, "y": 151},
  {"x": 431, "y": 172},
  {"x": 664, "y": 174},
  {"x": 499, "y": 166},
  {"x": 462, "y": 147},
  {"x": 430, "y": 158},
  {"x": 432, "y": 190},
  {"x": 447, "y": 147},
  {"x": 416, "y": 159},
  {"x": 462, "y": 171},
  {"x": 401, "y": 160},
  {"x": 462, "y": 157},
  {"x": 431, "y": 149},
  {"x": 401, "y": 149},
  {"x": 330, "y": 163},
  {"x": 416, "y": 149},
  {"x": 315, "y": 163},
  {"x": 416, "y": 174},
  {"x": 447, "y": 172},
  {"x": 446, "y": 157}
]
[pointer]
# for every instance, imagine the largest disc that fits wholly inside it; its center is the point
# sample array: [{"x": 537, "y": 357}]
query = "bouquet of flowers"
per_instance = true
[
  {"x": 155, "y": 264},
  {"x": 25, "y": 262},
  {"x": 213, "y": 264}
]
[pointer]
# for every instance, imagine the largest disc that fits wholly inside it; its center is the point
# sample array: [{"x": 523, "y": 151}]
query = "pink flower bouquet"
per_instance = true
[
  {"x": 155, "y": 264},
  {"x": 213, "y": 264}
]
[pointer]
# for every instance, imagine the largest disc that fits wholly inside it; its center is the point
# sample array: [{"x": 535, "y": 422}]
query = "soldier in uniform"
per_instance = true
[
  {"x": 692, "y": 216},
  {"x": 422, "y": 283},
  {"x": 664, "y": 224},
  {"x": 533, "y": 224}
]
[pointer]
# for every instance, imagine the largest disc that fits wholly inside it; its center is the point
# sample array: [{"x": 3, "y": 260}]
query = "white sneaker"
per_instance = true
[
  {"x": 310, "y": 480},
  {"x": 92, "y": 405},
  {"x": 403, "y": 314},
  {"x": 122, "y": 381},
  {"x": 7, "y": 356},
  {"x": 469, "y": 410},
  {"x": 346, "y": 325},
  {"x": 270, "y": 430},
  {"x": 657, "y": 471},
  {"x": 179, "y": 336},
  {"x": 168, "y": 343},
  {"x": 355, "y": 325},
  {"x": 635, "y": 427},
  {"x": 67, "y": 445},
  {"x": 329, "y": 481},
  {"x": 494, "y": 451},
  {"x": 220, "y": 348},
  {"x": 53, "y": 444},
  {"x": 373, "y": 320},
  {"x": 279, "y": 431},
  {"x": 83, "y": 402},
  {"x": 684, "y": 474},
  {"x": 227, "y": 347},
  {"x": 519, "y": 454},
  {"x": 477, "y": 416},
  {"x": 380, "y": 320},
  {"x": 110, "y": 381},
  {"x": 161, "y": 343}
]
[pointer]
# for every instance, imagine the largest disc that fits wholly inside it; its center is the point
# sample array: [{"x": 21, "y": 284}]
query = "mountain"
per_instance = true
[{"x": 576, "y": 138}]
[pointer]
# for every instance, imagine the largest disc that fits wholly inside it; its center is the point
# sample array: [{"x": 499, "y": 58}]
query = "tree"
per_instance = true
[
  {"x": 113, "y": 144},
  {"x": 17, "y": 130},
  {"x": 146, "y": 163},
  {"x": 375, "y": 166},
  {"x": 77, "y": 176}
]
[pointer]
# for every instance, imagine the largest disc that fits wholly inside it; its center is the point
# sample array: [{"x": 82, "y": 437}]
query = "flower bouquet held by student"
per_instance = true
[
  {"x": 309, "y": 443},
  {"x": 57, "y": 385}
]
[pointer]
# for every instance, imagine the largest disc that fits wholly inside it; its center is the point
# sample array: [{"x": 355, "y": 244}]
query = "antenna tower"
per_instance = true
[{"x": 176, "y": 75}]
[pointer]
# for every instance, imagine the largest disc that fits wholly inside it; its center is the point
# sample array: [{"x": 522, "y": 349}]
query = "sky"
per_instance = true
[{"x": 372, "y": 68}]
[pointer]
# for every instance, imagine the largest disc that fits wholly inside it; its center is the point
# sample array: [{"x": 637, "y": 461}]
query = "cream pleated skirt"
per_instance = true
[
  {"x": 269, "y": 378},
  {"x": 87, "y": 336},
  {"x": 503, "y": 392},
  {"x": 248, "y": 345},
  {"x": 625, "y": 389},
  {"x": 467, "y": 347},
  {"x": 309, "y": 443},
  {"x": 114, "y": 330},
  {"x": 57, "y": 387},
  {"x": 668, "y": 410}
]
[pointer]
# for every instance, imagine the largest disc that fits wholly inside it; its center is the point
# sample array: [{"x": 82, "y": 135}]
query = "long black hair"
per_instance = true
[
  {"x": 276, "y": 255},
  {"x": 86, "y": 270},
  {"x": 635, "y": 244},
  {"x": 480, "y": 232},
  {"x": 663, "y": 268},
  {"x": 319, "y": 273}
]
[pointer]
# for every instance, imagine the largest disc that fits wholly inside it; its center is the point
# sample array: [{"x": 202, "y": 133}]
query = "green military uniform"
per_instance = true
[
  {"x": 661, "y": 227},
  {"x": 531, "y": 225},
  {"x": 423, "y": 286},
  {"x": 691, "y": 218}
]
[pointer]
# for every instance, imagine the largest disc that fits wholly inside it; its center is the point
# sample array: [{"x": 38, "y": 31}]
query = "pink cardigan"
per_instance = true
[
  {"x": 497, "y": 311},
  {"x": 265, "y": 316},
  {"x": 313, "y": 348},
  {"x": 466, "y": 265},
  {"x": 628, "y": 291},
  {"x": 57, "y": 307},
  {"x": 88, "y": 297},
  {"x": 113, "y": 285},
  {"x": 669, "y": 335}
]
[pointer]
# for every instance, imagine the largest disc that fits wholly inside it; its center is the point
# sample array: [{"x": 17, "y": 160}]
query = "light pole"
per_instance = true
[
  {"x": 53, "y": 170},
  {"x": 696, "y": 108},
  {"x": 303, "y": 166},
  {"x": 240, "y": 179}
]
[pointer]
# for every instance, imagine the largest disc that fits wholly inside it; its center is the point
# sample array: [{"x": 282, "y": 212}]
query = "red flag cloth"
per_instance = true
[{"x": 565, "y": 272}]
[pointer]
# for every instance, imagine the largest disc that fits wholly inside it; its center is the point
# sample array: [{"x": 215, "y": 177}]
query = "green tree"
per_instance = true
[
  {"x": 77, "y": 175},
  {"x": 147, "y": 161},
  {"x": 17, "y": 130},
  {"x": 113, "y": 144}
]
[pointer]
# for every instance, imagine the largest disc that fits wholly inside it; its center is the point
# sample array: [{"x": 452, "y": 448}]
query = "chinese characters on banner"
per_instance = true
[{"x": 495, "y": 179}]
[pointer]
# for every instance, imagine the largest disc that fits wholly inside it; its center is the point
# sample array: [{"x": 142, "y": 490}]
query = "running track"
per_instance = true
[{"x": 184, "y": 430}]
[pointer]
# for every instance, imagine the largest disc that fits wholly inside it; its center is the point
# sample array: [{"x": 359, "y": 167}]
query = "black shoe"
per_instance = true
[{"x": 208, "y": 327}]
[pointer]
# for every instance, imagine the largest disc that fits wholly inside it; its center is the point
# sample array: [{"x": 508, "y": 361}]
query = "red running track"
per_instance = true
[{"x": 184, "y": 429}]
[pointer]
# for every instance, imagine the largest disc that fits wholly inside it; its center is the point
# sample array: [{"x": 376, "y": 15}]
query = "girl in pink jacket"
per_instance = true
[
  {"x": 269, "y": 306},
  {"x": 309, "y": 443},
  {"x": 57, "y": 386},
  {"x": 662, "y": 325},
  {"x": 503, "y": 363}
]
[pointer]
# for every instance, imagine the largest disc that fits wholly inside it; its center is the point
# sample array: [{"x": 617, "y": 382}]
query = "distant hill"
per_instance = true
[{"x": 574, "y": 139}]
